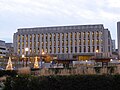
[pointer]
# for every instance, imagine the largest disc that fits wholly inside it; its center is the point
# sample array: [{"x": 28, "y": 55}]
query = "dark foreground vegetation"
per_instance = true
[{"x": 67, "y": 82}]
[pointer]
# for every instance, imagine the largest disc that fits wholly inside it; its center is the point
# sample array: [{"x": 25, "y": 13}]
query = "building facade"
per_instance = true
[
  {"x": 113, "y": 46},
  {"x": 3, "y": 50},
  {"x": 10, "y": 49},
  {"x": 118, "y": 37},
  {"x": 65, "y": 42}
]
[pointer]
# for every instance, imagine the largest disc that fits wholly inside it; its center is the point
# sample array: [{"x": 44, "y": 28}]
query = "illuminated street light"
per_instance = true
[
  {"x": 43, "y": 53},
  {"x": 41, "y": 61},
  {"x": 96, "y": 51},
  {"x": 23, "y": 59},
  {"x": 111, "y": 60},
  {"x": 23, "y": 56},
  {"x": 36, "y": 63},
  {"x": 26, "y": 50}
]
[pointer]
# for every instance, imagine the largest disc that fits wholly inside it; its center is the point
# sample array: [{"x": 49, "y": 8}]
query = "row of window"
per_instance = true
[
  {"x": 2, "y": 53},
  {"x": 85, "y": 42},
  {"x": 67, "y": 35},
  {"x": 63, "y": 50}
]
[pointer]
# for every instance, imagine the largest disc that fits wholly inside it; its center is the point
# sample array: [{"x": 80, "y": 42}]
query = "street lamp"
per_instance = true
[
  {"x": 96, "y": 53},
  {"x": 41, "y": 59},
  {"x": 26, "y": 50}
]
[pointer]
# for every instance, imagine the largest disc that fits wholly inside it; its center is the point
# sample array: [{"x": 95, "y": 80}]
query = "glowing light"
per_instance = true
[
  {"x": 36, "y": 63},
  {"x": 23, "y": 56},
  {"x": 9, "y": 65},
  {"x": 26, "y": 49},
  {"x": 96, "y": 51}
]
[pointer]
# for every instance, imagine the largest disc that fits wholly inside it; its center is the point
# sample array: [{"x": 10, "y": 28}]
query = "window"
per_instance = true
[
  {"x": 93, "y": 34},
  {"x": 18, "y": 38},
  {"x": 88, "y": 41},
  {"x": 67, "y": 35},
  {"x": 26, "y": 37},
  {"x": 71, "y": 35},
  {"x": 79, "y": 42},
  {"x": 62, "y": 36},
  {"x": 84, "y": 41},
  {"x": 38, "y": 37},
  {"x": 88, "y": 48},
  {"x": 58, "y": 43},
  {"x": 23, "y": 37},
  {"x": 62, "y": 50},
  {"x": 66, "y": 49},
  {"x": 30, "y": 37},
  {"x": 71, "y": 49},
  {"x": 97, "y": 34},
  {"x": 75, "y": 35},
  {"x": 75, "y": 49},
  {"x": 84, "y": 34},
  {"x": 58, "y": 35},
  {"x": 79, "y": 34},
  {"x": 54, "y": 50},
  {"x": 84, "y": 49},
  {"x": 80, "y": 49},
  {"x": 50, "y": 36},
  {"x": 88, "y": 34},
  {"x": 58, "y": 50},
  {"x": 62, "y": 43},
  {"x": 93, "y": 48},
  {"x": 67, "y": 42},
  {"x": 93, "y": 41}
]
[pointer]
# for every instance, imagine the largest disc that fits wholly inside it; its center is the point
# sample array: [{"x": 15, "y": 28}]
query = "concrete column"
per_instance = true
[
  {"x": 73, "y": 42},
  {"x": 21, "y": 44},
  {"x": 36, "y": 47},
  {"x": 29, "y": 43},
  {"x": 82, "y": 38},
  {"x": 91, "y": 42}
]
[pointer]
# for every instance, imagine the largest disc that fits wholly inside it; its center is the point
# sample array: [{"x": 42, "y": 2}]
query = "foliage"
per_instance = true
[
  {"x": 70, "y": 82},
  {"x": 8, "y": 73}
]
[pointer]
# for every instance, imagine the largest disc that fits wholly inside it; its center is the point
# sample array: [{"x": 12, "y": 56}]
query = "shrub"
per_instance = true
[{"x": 70, "y": 82}]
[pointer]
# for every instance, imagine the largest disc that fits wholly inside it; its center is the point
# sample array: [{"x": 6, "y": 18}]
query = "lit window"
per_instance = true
[
  {"x": 75, "y": 35},
  {"x": 67, "y": 49},
  {"x": 88, "y": 42},
  {"x": 62, "y": 50}
]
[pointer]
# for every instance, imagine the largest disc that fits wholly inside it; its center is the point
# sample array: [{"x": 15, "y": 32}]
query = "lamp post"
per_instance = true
[
  {"x": 96, "y": 53},
  {"x": 41, "y": 59},
  {"x": 26, "y": 51}
]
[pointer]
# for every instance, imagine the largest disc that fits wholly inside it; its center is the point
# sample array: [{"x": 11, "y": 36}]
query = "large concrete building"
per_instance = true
[
  {"x": 118, "y": 37},
  {"x": 65, "y": 42}
]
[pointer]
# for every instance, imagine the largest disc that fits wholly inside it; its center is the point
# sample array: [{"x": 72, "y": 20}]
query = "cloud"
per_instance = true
[{"x": 28, "y": 13}]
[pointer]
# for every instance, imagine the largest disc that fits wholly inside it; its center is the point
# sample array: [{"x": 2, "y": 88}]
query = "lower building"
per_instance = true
[
  {"x": 3, "y": 50},
  {"x": 80, "y": 42}
]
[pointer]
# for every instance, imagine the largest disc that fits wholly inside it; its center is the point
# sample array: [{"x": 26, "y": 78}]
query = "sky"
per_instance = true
[{"x": 16, "y": 14}]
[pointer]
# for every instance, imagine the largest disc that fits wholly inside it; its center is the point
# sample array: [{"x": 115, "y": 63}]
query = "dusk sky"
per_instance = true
[{"x": 16, "y": 14}]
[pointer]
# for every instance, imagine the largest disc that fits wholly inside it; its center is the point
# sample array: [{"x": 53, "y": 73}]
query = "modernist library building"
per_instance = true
[{"x": 64, "y": 42}]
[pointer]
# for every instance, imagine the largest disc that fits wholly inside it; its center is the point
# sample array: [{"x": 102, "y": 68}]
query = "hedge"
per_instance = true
[
  {"x": 72, "y": 82},
  {"x": 8, "y": 73}
]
